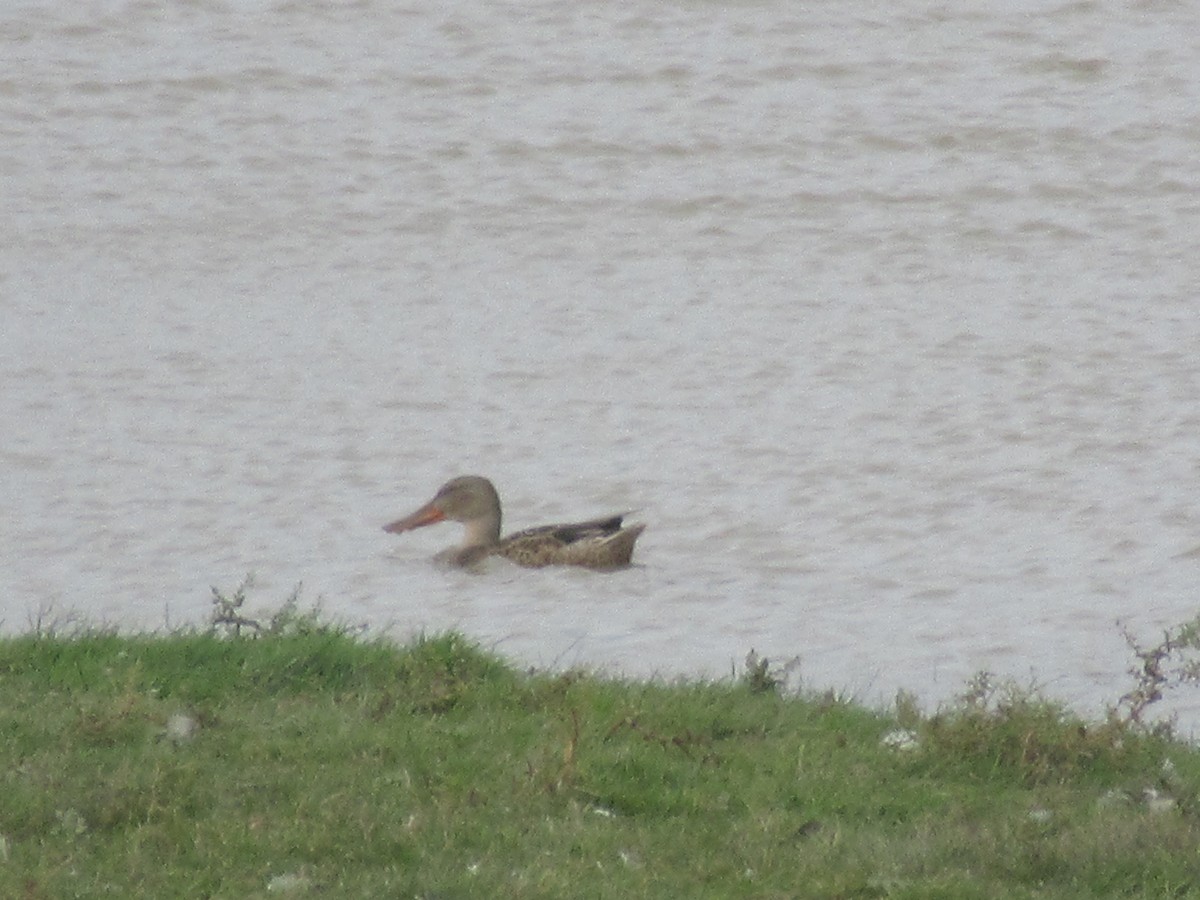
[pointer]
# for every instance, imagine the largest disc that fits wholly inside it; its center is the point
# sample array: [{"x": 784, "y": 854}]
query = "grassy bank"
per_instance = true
[{"x": 312, "y": 763}]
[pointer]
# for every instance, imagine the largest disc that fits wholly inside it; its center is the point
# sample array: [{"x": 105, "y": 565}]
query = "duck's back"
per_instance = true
[{"x": 596, "y": 544}]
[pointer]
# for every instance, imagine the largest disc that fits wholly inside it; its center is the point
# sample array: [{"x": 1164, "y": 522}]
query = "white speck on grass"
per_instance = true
[
  {"x": 288, "y": 883},
  {"x": 901, "y": 739},
  {"x": 1158, "y": 802},
  {"x": 181, "y": 728}
]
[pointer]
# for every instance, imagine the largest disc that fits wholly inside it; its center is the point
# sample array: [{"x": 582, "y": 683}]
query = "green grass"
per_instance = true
[{"x": 326, "y": 765}]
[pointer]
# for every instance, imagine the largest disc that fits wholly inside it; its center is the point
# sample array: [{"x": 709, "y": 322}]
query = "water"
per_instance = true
[{"x": 884, "y": 320}]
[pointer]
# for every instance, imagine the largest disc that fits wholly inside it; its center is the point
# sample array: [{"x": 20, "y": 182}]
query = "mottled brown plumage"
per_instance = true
[{"x": 473, "y": 501}]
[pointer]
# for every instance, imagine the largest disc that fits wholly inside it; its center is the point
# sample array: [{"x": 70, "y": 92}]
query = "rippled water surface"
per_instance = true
[{"x": 884, "y": 318}]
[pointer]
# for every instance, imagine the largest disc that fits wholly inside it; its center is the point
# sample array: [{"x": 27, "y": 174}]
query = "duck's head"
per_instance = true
[{"x": 470, "y": 499}]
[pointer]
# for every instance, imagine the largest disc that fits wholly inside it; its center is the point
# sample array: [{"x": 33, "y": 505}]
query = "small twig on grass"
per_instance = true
[
  {"x": 288, "y": 619},
  {"x": 1166, "y": 665},
  {"x": 227, "y": 610},
  {"x": 566, "y": 775},
  {"x": 763, "y": 678}
]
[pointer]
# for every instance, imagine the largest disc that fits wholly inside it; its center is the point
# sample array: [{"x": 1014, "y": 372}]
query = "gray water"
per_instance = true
[{"x": 882, "y": 316}]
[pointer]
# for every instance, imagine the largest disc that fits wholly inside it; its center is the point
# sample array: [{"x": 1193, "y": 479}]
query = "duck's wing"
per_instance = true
[
  {"x": 596, "y": 544},
  {"x": 571, "y": 532}
]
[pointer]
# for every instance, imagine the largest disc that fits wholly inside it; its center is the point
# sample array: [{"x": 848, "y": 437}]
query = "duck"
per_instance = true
[{"x": 605, "y": 543}]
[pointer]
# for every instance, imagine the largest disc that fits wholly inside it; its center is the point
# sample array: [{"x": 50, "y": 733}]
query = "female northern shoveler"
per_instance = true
[{"x": 472, "y": 500}]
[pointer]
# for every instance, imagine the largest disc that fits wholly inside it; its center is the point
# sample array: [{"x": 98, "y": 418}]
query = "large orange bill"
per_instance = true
[{"x": 426, "y": 515}]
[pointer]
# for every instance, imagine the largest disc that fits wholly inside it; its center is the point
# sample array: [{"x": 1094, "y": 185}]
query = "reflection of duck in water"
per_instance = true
[{"x": 472, "y": 500}]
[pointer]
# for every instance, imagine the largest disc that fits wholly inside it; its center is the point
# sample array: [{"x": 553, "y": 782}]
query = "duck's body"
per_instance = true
[{"x": 473, "y": 501}]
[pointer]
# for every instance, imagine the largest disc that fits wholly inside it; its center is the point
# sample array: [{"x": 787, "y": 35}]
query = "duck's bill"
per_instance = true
[{"x": 426, "y": 515}]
